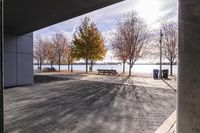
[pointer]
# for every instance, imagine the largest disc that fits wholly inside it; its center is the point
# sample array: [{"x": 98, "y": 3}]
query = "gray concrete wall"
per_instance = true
[
  {"x": 18, "y": 55},
  {"x": 188, "y": 108}
]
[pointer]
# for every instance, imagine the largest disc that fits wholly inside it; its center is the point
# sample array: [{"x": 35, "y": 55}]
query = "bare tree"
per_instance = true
[
  {"x": 134, "y": 34},
  {"x": 170, "y": 43},
  {"x": 71, "y": 57},
  {"x": 67, "y": 56},
  {"x": 65, "y": 59},
  {"x": 39, "y": 51},
  {"x": 50, "y": 52},
  {"x": 59, "y": 41},
  {"x": 119, "y": 48}
]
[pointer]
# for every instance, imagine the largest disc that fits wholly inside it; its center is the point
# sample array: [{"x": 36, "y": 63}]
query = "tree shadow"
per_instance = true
[
  {"x": 169, "y": 85},
  {"x": 47, "y": 78},
  {"x": 86, "y": 106}
]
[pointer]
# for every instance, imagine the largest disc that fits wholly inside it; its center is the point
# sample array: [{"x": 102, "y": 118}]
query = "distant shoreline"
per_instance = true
[
  {"x": 144, "y": 68},
  {"x": 108, "y": 64}
]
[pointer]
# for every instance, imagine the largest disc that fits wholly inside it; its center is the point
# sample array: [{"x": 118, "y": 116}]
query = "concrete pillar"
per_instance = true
[
  {"x": 1, "y": 68},
  {"x": 188, "y": 108}
]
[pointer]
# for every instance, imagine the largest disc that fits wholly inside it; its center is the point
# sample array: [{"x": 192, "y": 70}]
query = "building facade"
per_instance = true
[{"x": 18, "y": 59}]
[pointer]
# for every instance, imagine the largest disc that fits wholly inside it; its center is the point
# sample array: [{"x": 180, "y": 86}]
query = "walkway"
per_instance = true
[{"x": 88, "y": 106}]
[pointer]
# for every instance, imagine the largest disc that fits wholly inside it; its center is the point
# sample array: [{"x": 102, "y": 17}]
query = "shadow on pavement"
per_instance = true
[
  {"x": 47, "y": 78},
  {"x": 169, "y": 85},
  {"x": 87, "y": 107}
]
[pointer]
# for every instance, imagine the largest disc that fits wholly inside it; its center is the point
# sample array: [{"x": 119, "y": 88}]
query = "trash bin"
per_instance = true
[
  {"x": 165, "y": 73},
  {"x": 155, "y": 73},
  {"x": 90, "y": 68}
]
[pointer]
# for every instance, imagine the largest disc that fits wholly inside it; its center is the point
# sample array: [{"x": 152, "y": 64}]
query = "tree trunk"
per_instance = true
[
  {"x": 130, "y": 67},
  {"x": 124, "y": 67},
  {"x": 171, "y": 68},
  {"x": 68, "y": 65},
  {"x": 91, "y": 66},
  {"x": 59, "y": 64},
  {"x": 86, "y": 66},
  {"x": 40, "y": 65},
  {"x": 51, "y": 65},
  {"x": 71, "y": 67}
]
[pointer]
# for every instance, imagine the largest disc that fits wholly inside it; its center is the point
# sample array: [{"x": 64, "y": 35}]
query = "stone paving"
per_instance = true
[{"x": 105, "y": 104}]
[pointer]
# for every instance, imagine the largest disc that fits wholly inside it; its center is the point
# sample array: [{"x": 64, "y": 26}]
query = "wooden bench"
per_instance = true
[
  {"x": 109, "y": 71},
  {"x": 49, "y": 69}
]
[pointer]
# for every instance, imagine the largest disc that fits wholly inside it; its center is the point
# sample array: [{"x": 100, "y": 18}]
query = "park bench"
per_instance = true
[
  {"x": 109, "y": 71},
  {"x": 49, "y": 69}
]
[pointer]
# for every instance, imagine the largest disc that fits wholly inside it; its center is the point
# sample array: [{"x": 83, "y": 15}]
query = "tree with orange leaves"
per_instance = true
[{"x": 88, "y": 43}]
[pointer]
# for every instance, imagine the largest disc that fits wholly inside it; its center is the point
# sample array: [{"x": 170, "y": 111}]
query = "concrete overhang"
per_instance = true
[{"x": 24, "y": 16}]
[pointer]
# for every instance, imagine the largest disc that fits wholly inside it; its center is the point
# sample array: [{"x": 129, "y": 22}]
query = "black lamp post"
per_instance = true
[{"x": 161, "y": 35}]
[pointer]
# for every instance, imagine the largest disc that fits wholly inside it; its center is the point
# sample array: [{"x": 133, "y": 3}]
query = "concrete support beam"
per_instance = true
[{"x": 188, "y": 109}]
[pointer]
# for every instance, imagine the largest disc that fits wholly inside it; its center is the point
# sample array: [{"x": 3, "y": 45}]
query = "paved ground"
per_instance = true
[
  {"x": 173, "y": 129},
  {"x": 94, "y": 104}
]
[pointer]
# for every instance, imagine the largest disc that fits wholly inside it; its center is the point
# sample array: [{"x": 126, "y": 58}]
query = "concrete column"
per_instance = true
[
  {"x": 188, "y": 108},
  {"x": 1, "y": 68}
]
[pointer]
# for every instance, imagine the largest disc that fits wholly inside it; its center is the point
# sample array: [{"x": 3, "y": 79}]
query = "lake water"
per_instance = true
[{"x": 147, "y": 69}]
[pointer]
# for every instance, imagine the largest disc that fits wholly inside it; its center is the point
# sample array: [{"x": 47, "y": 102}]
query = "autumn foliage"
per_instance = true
[
  {"x": 130, "y": 40},
  {"x": 54, "y": 50},
  {"x": 88, "y": 43}
]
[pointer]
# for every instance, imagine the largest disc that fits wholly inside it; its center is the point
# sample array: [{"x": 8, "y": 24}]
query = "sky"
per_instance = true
[{"x": 153, "y": 12}]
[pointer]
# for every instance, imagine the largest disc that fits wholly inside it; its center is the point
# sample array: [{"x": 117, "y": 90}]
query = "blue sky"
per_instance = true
[{"x": 151, "y": 11}]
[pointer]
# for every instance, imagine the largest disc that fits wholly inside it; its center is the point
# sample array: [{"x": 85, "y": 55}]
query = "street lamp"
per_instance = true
[
  {"x": 161, "y": 35},
  {"x": 111, "y": 63},
  {"x": 71, "y": 60}
]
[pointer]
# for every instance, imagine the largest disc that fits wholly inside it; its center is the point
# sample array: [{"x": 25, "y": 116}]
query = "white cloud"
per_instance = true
[{"x": 152, "y": 11}]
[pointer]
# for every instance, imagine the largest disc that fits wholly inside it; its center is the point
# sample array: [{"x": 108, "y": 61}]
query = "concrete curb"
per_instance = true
[{"x": 168, "y": 124}]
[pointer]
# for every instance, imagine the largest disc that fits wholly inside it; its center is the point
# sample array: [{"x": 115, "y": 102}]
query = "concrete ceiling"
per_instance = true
[{"x": 24, "y": 16}]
